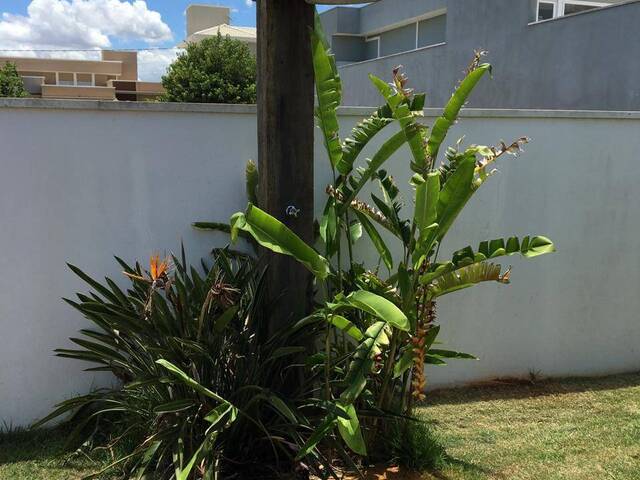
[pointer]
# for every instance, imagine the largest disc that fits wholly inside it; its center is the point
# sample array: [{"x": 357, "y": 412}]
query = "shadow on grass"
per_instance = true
[
  {"x": 464, "y": 467},
  {"x": 44, "y": 447},
  {"x": 505, "y": 389},
  {"x": 24, "y": 445}
]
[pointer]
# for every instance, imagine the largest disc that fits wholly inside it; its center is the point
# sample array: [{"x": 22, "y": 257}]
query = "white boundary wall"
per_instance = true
[{"x": 82, "y": 181}]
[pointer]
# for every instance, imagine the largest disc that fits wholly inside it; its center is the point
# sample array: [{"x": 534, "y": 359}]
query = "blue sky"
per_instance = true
[
  {"x": 80, "y": 28},
  {"x": 172, "y": 12}
]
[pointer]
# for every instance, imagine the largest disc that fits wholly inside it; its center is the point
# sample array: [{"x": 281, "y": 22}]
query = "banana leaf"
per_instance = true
[{"x": 277, "y": 237}]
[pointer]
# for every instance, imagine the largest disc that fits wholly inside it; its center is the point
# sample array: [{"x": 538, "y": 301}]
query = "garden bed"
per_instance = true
[{"x": 555, "y": 429}]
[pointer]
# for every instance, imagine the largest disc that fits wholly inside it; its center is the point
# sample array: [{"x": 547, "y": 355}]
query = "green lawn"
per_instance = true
[
  {"x": 40, "y": 456},
  {"x": 573, "y": 429}
]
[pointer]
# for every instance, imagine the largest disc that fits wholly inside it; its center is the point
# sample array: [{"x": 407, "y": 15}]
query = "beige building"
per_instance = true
[
  {"x": 113, "y": 77},
  {"x": 205, "y": 21}
]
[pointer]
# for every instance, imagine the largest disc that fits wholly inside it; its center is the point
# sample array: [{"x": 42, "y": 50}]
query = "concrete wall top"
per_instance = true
[{"x": 160, "y": 107}]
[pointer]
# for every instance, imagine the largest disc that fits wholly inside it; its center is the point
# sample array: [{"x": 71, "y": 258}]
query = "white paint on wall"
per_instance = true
[{"x": 83, "y": 184}]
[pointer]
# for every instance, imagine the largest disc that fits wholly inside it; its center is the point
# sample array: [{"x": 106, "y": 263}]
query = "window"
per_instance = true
[
  {"x": 432, "y": 31},
  {"x": 398, "y": 40},
  {"x": 84, "y": 80},
  {"x": 372, "y": 48},
  {"x": 570, "y": 8},
  {"x": 65, "y": 78},
  {"x": 548, "y": 9}
]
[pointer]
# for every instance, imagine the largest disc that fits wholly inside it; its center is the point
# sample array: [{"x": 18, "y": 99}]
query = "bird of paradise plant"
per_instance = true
[{"x": 381, "y": 330}]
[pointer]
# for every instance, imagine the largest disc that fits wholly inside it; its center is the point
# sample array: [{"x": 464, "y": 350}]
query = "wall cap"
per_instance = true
[{"x": 159, "y": 107}]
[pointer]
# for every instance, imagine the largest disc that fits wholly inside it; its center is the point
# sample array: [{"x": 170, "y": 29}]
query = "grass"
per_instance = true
[
  {"x": 40, "y": 455},
  {"x": 572, "y": 429},
  {"x": 556, "y": 429}
]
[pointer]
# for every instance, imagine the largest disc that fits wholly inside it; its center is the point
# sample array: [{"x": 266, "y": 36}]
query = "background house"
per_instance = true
[
  {"x": 204, "y": 21},
  {"x": 113, "y": 77},
  {"x": 550, "y": 54}
]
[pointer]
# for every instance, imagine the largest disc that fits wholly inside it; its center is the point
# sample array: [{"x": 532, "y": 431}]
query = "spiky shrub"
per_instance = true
[
  {"x": 381, "y": 329},
  {"x": 200, "y": 383}
]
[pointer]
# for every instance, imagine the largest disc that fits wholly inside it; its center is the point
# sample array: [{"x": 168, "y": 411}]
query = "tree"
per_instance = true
[
  {"x": 11, "y": 84},
  {"x": 215, "y": 70}
]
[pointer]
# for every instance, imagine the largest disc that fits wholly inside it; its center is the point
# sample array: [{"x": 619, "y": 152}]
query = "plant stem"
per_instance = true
[
  {"x": 349, "y": 242},
  {"x": 388, "y": 369}
]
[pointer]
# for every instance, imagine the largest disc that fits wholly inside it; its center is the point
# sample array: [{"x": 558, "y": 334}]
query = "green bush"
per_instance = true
[
  {"x": 11, "y": 84},
  {"x": 215, "y": 70},
  {"x": 202, "y": 387}
]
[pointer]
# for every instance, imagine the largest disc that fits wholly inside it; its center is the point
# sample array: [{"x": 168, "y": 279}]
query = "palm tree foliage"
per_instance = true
[{"x": 374, "y": 352}]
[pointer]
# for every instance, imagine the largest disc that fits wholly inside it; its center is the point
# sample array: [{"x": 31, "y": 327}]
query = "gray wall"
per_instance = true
[
  {"x": 349, "y": 48},
  {"x": 83, "y": 181},
  {"x": 388, "y": 12},
  {"x": 584, "y": 61}
]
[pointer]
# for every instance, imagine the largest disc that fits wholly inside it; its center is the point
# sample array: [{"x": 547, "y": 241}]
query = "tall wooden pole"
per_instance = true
[{"x": 285, "y": 144}]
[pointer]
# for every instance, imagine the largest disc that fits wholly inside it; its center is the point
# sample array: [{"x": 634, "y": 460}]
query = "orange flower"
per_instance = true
[{"x": 158, "y": 268}]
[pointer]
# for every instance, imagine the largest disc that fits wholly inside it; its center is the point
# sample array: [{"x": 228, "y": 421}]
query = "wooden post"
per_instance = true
[{"x": 285, "y": 144}]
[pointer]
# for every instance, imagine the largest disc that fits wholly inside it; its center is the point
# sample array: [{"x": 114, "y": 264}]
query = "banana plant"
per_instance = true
[{"x": 381, "y": 328}]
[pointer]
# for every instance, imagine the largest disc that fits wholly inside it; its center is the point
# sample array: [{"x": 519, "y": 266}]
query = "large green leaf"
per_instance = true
[
  {"x": 361, "y": 135},
  {"x": 376, "y": 239},
  {"x": 451, "y": 111},
  {"x": 379, "y": 307},
  {"x": 341, "y": 323},
  {"x": 528, "y": 247},
  {"x": 466, "y": 277},
  {"x": 350, "y": 430},
  {"x": 373, "y": 165},
  {"x": 362, "y": 362},
  {"x": 415, "y": 133},
  {"x": 437, "y": 352},
  {"x": 427, "y": 194},
  {"x": 277, "y": 237},
  {"x": 455, "y": 194},
  {"x": 329, "y": 93}
]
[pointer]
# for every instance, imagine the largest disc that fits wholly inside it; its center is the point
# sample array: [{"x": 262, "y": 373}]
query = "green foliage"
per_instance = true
[
  {"x": 274, "y": 235},
  {"x": 11, "y": 84},
  {"x": 214, "y": 70},
  {"x": 382, "y": 331},
  {"x": 197, "y": 389},
  {"x": 415, "y": 444},
  {"x": 205, "y": 388}
]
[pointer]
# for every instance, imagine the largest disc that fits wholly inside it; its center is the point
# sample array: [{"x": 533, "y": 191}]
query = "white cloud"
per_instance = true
[
  {"x": 81, "y": 24},
  {"x": 152, "y": 64},
  {"x": 249, "y": 3}
]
